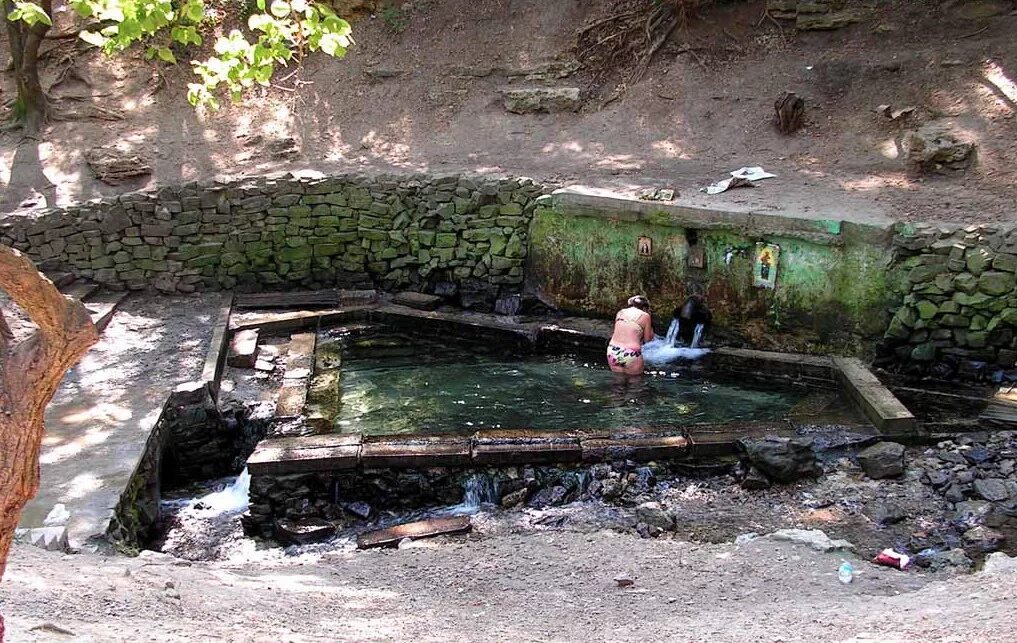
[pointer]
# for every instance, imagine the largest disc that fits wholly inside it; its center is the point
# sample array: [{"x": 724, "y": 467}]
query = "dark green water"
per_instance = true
[{"x": 392, "y": 386}]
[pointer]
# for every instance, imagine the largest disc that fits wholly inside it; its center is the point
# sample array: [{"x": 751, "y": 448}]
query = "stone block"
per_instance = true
[{"x": 243, "y": 349}]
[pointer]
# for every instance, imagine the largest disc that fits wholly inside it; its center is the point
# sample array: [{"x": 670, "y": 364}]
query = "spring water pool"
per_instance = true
[{"x": 398, "y": 384}]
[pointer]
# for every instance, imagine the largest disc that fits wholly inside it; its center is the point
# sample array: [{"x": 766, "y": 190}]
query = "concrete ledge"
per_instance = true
[
  {"x": 305, "y": 455},
  {"x": 882, "y": 408},
  {"x": 712, "y": 440},
  {"x": 415, "y": 451},
  {"x": 635, "y": 446},
  {"x": 525, "y": 447},
  {"x": 582, "y": 201}
]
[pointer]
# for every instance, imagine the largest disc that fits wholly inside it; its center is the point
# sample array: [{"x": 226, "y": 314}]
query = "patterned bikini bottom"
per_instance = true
[{"x": 622, "y": 357}]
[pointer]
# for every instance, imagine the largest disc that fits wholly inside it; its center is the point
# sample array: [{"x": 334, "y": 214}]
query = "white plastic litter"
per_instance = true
[{"x": 745, "y": 176}]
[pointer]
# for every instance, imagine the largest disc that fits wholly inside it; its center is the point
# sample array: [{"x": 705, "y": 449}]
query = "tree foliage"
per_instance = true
[{"x": 279, "y": 32}]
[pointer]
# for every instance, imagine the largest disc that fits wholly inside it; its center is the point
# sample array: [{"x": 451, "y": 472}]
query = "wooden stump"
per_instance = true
[{"x": 790, "y": 112}]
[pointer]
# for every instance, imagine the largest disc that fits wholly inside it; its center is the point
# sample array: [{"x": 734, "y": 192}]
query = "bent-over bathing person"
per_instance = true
[{"x": 633, "y": 327}]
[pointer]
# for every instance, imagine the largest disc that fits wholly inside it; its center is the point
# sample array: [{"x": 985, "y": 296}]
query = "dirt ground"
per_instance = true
[
  {"x": 552, "y": 586},
  {"x": 425, "y": 99}
]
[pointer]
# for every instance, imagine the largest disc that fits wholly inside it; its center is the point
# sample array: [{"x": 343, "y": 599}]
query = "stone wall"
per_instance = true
[
  {"x": 958, "y": 313},
  {"x": 390, "y": 232}
]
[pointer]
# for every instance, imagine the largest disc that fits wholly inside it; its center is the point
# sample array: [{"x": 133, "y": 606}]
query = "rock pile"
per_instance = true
[{"x": 977, "y": 474}]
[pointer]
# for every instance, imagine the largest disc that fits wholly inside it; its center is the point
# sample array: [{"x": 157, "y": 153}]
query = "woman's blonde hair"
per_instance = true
[{"x": 640, "y": 302}]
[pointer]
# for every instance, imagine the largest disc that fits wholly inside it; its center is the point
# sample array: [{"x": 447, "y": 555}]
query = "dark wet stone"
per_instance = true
[
  {"x": 755, "y": 480},
  {"x": 952, "y": 457},
  {"x": 977, "y": 454},
  {"x": 983, "y": 539},
  {"x": 965, "y": 477},
  {"x": 936, "y": 479},
  {"x": 781, "y": 459},
  {"x": 883, "y": 460},
  {"x": 884, "y": 513},
  {"x": 936, "y": 560},
  {"x": 515, "y": 498},
  {"x": 954, "y": 493},
  {"x": 359, "y": 509},
  {"x": 992, "y": 489},
  {"x": 446, "y": 289}
]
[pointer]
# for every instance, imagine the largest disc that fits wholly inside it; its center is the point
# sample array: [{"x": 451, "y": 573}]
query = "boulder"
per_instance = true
[
  {"x": 115, "y": 164},
  {"x": 813, "y": 538},
  {"x": 781, "y": 459},
  {"x": 999, "y": 562},
  {"x": 654, "y": 515},
  {"x": 884, "y": 513},
  {"x": 938, "y": 560},
  {"x": 992, "y": 489},
  {"x": 882, "y": 460},
  {"x": 983, "y": 539},
  {"x": 532, "y": 100},
  {"x": 936, "y": 146}
]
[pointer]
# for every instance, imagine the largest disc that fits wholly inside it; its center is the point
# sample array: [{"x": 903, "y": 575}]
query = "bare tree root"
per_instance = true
[
  {"x": 625, "y": 43},
  {"x": 84, "y": 112}
]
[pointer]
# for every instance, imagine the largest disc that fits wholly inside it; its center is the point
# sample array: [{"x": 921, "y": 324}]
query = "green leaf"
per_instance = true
[
  {"x": 280, "y": 8},
  {"x": 261, "y": 5},
  {"x": 29, "y": 13},
  {"x": 150, "y": 53},
  {"x": 92, "y": 38},
  {"x": 167, "y": 56},
  {"x": 195, "y": 11}
]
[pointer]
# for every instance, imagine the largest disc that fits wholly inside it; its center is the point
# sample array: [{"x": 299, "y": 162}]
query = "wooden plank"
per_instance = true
[
  {"x": 299, "y": 364},
  {"x": 215, "y": 358},
  {"x": 882, "y": 408},
  {"x": 305, "y": 455},
  {"x": 288, "y": 299},
  {"x": 414, "y": 530}
]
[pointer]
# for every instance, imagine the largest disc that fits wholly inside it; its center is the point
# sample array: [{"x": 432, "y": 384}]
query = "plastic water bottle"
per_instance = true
[{"x": 846, "y": 572}]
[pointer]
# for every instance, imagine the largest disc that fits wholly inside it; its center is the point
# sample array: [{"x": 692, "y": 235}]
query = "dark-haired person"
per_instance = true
[{"x": 633, "y": 327}]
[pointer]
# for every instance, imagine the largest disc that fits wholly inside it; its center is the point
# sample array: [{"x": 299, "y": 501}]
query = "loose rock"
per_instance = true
[{"x": 883, "y": 460}]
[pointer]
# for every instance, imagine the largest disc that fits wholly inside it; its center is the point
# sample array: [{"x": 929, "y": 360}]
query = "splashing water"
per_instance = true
[
  {"x": 478, "y": 489},
  {"x": 659, "y": 351},
  {"x": 672, "y": 332},
  {"x": 233, "y": 498},
  {"x": 697, "y": 335}
]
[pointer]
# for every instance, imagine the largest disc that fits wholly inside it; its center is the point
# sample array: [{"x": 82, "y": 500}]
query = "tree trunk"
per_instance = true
[
  {"x": 31, "y": 106},
  {"x": 30, "y": 372}
]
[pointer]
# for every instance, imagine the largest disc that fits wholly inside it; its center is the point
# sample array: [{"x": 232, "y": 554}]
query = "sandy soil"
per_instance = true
[
  {"x": 688, "y": 122},
  {"x": 536, "y": 587}
]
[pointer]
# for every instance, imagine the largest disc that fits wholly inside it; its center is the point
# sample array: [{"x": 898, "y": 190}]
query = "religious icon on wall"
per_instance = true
[
  {"x": 764, "y": 268},
  {"x": 644, "y": 247}
]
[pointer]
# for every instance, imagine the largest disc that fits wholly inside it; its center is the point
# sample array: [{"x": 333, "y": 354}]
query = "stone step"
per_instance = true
[
  {"x": 417, "y": 300},
  {"x": 79, "y": 290},
  {"x": 243, "y": 349},
  {"x": 299, "y": 367},
  {"x": 290, "y": 299},
  {"x": 102, "y": 307}
]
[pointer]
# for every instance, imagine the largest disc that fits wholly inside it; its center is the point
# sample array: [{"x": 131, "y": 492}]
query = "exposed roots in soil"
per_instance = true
[{"x": 625, "y": 42}]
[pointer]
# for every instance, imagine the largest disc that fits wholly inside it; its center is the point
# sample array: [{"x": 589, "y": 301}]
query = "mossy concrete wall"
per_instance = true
[{"x": 832, "y": 289}]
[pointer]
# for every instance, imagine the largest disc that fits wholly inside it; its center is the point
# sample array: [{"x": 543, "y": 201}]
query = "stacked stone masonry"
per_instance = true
[
  {"x": 959, "y": 291},
  {"x": 390, "y": 232}
]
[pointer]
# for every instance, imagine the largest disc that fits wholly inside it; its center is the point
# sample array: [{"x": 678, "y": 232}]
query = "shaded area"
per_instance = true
[{"x": 100, "y": 418}]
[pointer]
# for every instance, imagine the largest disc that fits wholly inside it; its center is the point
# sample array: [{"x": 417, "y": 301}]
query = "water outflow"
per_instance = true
[
  {"x": 478, "y": 489},
  {"x": 233, "y": 498},
  {"x": 697, "y": 335},
  {"x": 671, "y": 339}
]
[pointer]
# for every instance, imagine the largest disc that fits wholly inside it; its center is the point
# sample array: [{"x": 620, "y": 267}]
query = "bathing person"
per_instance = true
[{"x": 633, "y": 326}]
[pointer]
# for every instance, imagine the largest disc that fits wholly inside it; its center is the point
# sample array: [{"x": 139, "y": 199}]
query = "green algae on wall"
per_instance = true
[{"x": 832, "y": 289}]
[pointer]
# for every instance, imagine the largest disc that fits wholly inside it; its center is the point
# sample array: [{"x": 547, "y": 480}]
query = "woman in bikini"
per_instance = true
[{"x": 633, "y": 327}]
